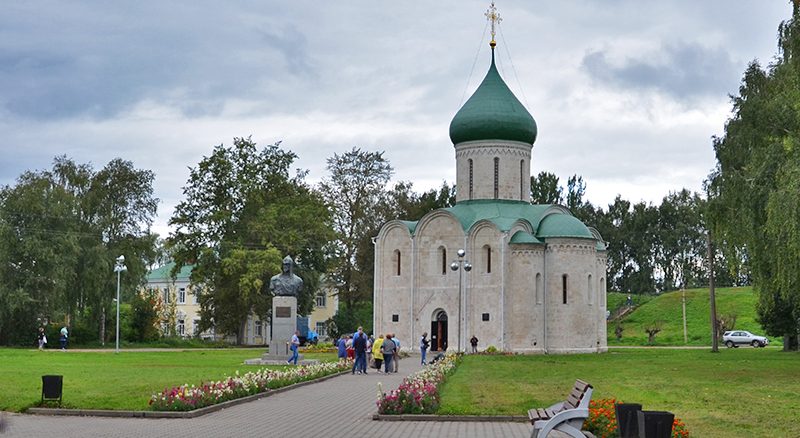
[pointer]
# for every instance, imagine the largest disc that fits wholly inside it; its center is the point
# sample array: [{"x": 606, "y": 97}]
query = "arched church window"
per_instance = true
[
  {"x": 590, "y": 290},
  {"x": 488, "y": 251},
  {"x": 521, "y": 181},
  {"x": 538, "y": 288},
  {"x": 470, "y": 178},
  {"x": 443, "y": 254},
  {"x": 564, "y": 288},
  {"x": 496, "y": 177},
  {"x": 397, "y": 261}
]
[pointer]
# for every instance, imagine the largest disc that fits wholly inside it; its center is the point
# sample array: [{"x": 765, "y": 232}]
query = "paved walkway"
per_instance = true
[{"x": 339, "y": 407}]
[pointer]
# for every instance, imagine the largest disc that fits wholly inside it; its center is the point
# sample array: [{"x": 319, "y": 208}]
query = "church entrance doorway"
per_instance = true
[{"x": 439, "y": 331}]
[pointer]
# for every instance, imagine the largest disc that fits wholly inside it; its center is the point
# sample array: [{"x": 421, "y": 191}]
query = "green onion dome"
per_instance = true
[{"x": 493, "y": 113}]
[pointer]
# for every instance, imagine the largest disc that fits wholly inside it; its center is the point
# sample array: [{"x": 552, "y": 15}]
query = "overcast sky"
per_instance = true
[{"x": 626, "y": 93}]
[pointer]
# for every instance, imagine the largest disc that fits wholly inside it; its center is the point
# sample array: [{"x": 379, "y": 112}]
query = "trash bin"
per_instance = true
[
  {"x": 655, "y": 424},
  {"x": 628, "y": 419},
  {"x": 51, "y": 387}
]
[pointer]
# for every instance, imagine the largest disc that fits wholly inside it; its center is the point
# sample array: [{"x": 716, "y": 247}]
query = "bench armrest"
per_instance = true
[{"x": 560, "y": 418}]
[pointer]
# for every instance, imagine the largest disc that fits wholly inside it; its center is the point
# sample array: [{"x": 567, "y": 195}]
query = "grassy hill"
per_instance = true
[{"x": 740, "y": 301}]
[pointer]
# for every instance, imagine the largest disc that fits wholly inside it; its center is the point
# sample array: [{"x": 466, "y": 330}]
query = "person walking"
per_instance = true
[
  {"x": 388, "y": 349},
  {"x": 370, "y": 342},
  {"x": 42, "y": 338},
  {"x": 341, "y": 349},
  {"x": 351, "y": 354},
  {"x": 295, "y": 344},
  {"x": 474, "y": 342},
  {"x": 64, "y": 334},
  {"x": 360, "y": 348},
  {"x": 376, "y": 352},
  {"x": 396, "y": 357},
  {"x": 423, "y": 346}
]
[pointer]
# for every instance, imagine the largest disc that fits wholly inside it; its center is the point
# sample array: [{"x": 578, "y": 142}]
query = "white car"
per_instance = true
[{"x": 735, "y": 338}]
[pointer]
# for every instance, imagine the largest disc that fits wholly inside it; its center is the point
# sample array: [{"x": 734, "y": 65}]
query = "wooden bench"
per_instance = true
[{"x": 567, "y": 416}]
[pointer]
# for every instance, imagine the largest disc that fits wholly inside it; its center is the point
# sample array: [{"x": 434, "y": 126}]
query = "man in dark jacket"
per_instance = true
[{"x": 360, "y": 347}]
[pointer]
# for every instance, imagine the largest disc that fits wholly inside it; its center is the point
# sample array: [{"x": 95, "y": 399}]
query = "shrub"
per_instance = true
[
  {"x": 187, "y": 398},
  {"x": 491, "y": 349},
  {"x": 419, "y": 392},
  {"x": 602, "y": 421}
]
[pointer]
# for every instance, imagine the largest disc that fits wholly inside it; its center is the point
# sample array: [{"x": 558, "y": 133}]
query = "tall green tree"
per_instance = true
[
  {"x": 545, "y": 189},
  {"x": 243, "y": 212},
  {"x": 61, "y": 230},
  {"x": 754, "y": 188},
  {"x": 680, "y": 241},
  {"x": 355, "y": 189}
]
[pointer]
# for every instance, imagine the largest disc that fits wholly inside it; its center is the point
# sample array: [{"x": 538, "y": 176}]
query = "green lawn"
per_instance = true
[
  {"x": 741, "y": 392},
  {"x": 104, "y": 380},
  {"x": 666, "y": 308}
]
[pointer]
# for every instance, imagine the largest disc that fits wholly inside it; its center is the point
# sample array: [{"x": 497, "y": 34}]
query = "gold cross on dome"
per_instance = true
[{"x": 493, "y": 16}]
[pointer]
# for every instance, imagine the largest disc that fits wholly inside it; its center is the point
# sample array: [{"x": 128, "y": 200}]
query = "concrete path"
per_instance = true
[{"x": 339, "y": 407}]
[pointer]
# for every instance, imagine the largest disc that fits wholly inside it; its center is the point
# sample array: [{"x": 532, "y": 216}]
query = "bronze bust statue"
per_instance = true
[{"x": 286, "y": 284}]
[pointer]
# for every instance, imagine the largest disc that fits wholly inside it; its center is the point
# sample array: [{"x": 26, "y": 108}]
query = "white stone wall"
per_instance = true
[
  {"x": 485, "y": 287},
  {"x": 514, "y": 159},
  {"x": 522, "y": 294},
  {"x": 525, "y": 312},
  {"x": 393, "y": 291},
  {"x": 571, "y": 327},
  {"x": 436, "y": 232}
]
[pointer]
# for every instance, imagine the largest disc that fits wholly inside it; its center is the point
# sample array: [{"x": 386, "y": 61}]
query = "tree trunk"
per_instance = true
[
  {"x": 240, "y": 332},
  {"x": 790, "y": 342}
]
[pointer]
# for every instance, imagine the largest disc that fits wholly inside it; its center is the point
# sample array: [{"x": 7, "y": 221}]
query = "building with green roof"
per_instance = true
[{"x": 531, "y": 278}]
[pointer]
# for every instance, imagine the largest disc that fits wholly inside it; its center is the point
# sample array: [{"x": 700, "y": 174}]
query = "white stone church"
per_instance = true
[{"x": 537, "y": 282}]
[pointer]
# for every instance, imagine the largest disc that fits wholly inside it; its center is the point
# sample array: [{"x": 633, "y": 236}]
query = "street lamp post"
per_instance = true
[
  {"x": 119, "y": 266},
  {"x": 456, "y": 266}
]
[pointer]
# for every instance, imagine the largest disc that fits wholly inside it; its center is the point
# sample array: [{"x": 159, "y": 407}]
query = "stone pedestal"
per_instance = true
[{"x": 284, "y": 324}]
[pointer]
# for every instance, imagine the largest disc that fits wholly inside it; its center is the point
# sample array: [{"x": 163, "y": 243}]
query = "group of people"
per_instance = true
[
  {"x": 381, "y": 352},
  {"x": 41, "y": 338}
]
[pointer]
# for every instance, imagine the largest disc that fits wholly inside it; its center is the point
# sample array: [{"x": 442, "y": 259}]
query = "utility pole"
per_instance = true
[
  {"x": 683, "y": 300},
  {"x": 710, "y": 246}
]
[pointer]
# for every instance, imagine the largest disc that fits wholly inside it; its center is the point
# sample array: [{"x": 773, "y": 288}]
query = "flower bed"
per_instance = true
[
  {"x": 602, "y": 421},
  {"x": 187, "y": 398},
  {"x": 419, "y": 392}
]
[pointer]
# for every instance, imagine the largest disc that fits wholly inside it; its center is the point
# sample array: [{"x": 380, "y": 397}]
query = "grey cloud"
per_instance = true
[{"x": 683, "y": 70}]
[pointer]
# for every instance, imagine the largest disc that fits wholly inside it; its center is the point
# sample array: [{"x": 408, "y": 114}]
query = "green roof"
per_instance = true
[
  {"x": 523, "y": 237},
  {"x": 546, "y": 220},
  {"x": 563, "y": 225},
  {"x": 493, "y": 113},
  {"x": 503, "y": 213},
  {"x": 164, "y": 273}
]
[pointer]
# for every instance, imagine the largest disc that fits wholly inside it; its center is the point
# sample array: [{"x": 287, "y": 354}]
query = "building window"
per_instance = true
[
  {"x": 181, "y": 327},
  {"x": 196, "y": 326},
  {"x": 521, "y": 179},
  {"x": 488, "y": 251},
  {"x": 470, "y": 178},
  {"x": 485, "y": 317},
  {"x": 397, "y": 261},
  {"x": 321, "y": 329},
  {"x": 443, "y": 253},
  {"x": 538, "y": 288},
  {"x": 496, "y": 177},
  {"x": 590, "y": 290},
  {"x": 195, "y": 296},
  {"x": 182, "y": 296},
  {"x": 395, "y": 318},
  {"x": 259, "y": 327},
  {"x": 564, "y": 288},
  {"x": 166, "y": 296},
  {"x": 322, "y": 300}
]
